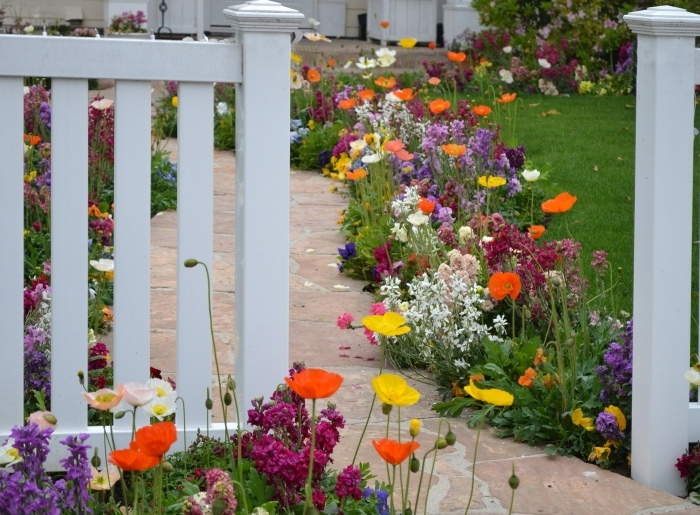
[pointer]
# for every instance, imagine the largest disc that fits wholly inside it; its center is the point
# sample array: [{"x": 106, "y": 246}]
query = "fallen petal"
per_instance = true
[{"x": 344, "y": 347}]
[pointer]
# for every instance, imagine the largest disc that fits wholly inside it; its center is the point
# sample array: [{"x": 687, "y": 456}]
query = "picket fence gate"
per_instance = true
[
  {"x": 668, "y": 68},
  {"x": 258, "y": 62}
]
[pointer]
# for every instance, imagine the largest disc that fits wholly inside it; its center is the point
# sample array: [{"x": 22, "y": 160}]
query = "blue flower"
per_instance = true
[
  {"x": 382, "y": 499},
  {"x": 348, "y": 252}
]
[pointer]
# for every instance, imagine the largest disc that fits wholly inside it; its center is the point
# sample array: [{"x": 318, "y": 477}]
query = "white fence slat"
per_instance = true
[
  {"x": 132, "y": 243},
  {"x": 195, "y": 223},
  {"x": 69, "y": 235},
  {"x": 262, "y": 179},
  {"x": 121, "y": 59},
  {"x": 12, "y": 254}
]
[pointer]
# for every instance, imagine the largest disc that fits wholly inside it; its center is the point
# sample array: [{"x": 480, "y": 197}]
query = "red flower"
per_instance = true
[
  {"x": 314, "y": 383},
  {"x": 394, "y": 452},
  {"x": 133, "y": 459},
  {"x": 503, "y": 284}
]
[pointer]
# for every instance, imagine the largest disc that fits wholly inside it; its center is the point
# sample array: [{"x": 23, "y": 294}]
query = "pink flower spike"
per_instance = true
[
  {"x": 345, "y": 320},
  {"x": 344, "y": 347},
  {"x": 377, "y": 308}
]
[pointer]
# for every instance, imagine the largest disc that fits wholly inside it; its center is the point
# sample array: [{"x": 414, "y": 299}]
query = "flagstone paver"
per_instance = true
[{"x": 548, "y": 485}]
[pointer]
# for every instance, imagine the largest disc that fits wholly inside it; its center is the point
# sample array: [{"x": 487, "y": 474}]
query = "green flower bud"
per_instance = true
[
  {"x": 218, "y": 506},
  {"x": 209, "y": 404},
  {"x": 288, "y": 399},
  {"x": 96, "y": 461},
  {"x": 450, "y": 438},
  {"x": 189, "y": 263},
  {"x": 228, "y": 399},
  {"x": 230, "y": 384},
  {"x": 167, "y": 467},
  {"x": 414, "y": 464},
  {"x": 408, "y": 511},
  {"x": 514, "y": 482},
  {"x": 81, "y": 377},
  {"x": 50, "y": 418},
  {"x": 441, "y": 443},
  {"x": 386, "y": 408},
  {"x": 119, "y": 415}
]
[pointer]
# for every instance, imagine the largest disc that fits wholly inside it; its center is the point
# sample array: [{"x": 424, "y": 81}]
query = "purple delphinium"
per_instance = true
[
  {"x": 606, "y": 425},
  {"x": 45, "y": 114},
  {"x": 615, "y": 374},
  {"x": 78, "y": 475},
  {"x": 37, "y": 365},
  {"x": 348, "y": 484}
]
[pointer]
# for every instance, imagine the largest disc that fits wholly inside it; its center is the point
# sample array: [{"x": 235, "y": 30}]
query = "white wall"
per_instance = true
[{"x": 41, "y": 12}]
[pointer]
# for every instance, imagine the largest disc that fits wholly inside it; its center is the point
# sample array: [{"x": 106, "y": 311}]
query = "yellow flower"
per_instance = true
[
  {"x": 296, "y": 58},
  {"x": 489, "y": 396},
  {"x": 394, "y": 390},
  {"x": 30, "y": 176},
  {"x": 414, "y": 427},
  {"x": 109, "y": 275},
  {"x": 598, "y": 453},
  {"x": 584, "y": 87},
  {"x": 579, "y": 420},
  {"x": 343, "y": 163},
  {"x": 326, "y": 172},
  {"x": 491, "y": 181},
  {"x": 311, "y": 124},
  {"x": 619, "y": 416},
  {"x": 26, "y": 232},
  {"x": 174, "y": 102},
  {"x": 388, "y": 324},
  {"x": 408, "y": 42}
]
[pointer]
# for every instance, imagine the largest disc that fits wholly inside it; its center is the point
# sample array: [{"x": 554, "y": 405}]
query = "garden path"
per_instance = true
[{"x": 548, "y": 485}]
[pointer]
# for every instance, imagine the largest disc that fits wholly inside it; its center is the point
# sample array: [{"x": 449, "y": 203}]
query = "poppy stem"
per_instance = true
[
  {"x": 309, "y": 493},
  {"x": 369, "y": 415},
  {"x": 476, "y": 448},
  {"x": 393, "y": 487}
]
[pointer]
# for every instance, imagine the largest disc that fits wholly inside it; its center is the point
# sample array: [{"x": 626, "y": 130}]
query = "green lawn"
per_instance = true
[{"x": 590, "y": 133}]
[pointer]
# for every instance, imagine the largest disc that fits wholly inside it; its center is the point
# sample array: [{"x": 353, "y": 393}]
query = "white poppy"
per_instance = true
[
  {"x": 544, "y": 63},
  {"x": 103, "y": 104},
  {"x": 508, "y": 49},
  {"x": 162, "y": 387},
  {"x": 314, "y": 23},
  {"x": 365, "y": 63},
  {"x": 693, "y": 376},
  {"x": 386, "y": 61},
  {"x": 104, "y": 479},
  {"x": 531, "y": 175},
  {"x": 221, "y": 108},
  {"x": 8, "y": 454},
  {"x": 385, "y": 52},
  {"x": 418, "y": 218},
  {"x": 29, "y": 29},
  {"x": 296, "y": 80},
  {"x": 103, "y": 265},
  {"x": 371, "y": 158},
  {"x": 26, "y": 89},
  {"x": 358, "y": 144},
  {"x": 400, "y": 232},
  {"x": 161, "y": 407},
  {"x": 506, "y": 76}
]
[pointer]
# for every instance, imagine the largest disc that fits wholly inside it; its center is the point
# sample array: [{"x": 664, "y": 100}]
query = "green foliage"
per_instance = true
[
  {"x": 320, "y": 138},
  {"x": 163, "y": 183},
  {"x": 689, "y": 5}
]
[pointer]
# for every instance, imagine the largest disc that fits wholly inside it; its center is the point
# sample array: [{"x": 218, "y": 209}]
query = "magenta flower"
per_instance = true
[{"x": 345, "y": 320}]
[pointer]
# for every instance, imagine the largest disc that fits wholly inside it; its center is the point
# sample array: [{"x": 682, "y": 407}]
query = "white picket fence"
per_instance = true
[
  {"x": 668, "y": 70},
  {"x": 258, "y": 62}
]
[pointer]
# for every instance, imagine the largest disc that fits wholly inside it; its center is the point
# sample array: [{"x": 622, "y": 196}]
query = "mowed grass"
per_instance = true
[{"x": 590, "y": 149}]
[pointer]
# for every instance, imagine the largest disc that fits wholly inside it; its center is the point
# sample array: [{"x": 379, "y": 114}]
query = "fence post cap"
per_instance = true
[
  {"x": 664, "y": 20},
  {"x": 263, "y": 16}
]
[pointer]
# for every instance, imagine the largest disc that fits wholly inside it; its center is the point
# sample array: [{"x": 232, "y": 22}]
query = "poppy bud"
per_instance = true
[
  {"x": 167, "y": 467},
  {"x": 288, "y": 399},
  {"x": 209, "y": 404},
  {"x": 119, "y": 415},
  {"x": 570, "y": 341},
  {"x": 441, "y": 443},
  {"x": 414, "y": 464},
  {"x": 514, "y": 482},
  {"x": 218, "y": 506},
  {"x": 386, "y": 408},
  {"x": 331, "y": 406},
  {"x": 408, "y": 511},
  {"x": 230, "y": 384},
  {"x": 228, "y": 399},
  {"x": 556, "y": 282},
  {"x": 527, "y": 314},
  {"x": 450, "y": 438},
  {"x": 249, "y": 447},
  {"x": 96, "y": 461},
  {"x": 81, "y": 377},
  {"x": 189, "y": 263},
  {"x": 50, "y": 418},
  {"x": 414, "y": 427}
]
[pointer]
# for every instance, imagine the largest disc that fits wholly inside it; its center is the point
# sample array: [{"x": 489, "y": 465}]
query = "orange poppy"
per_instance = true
[
  {"x": 357, "y": 175},
  {"x": 438, "y": 105},
  {"x": 394, "y": 452},
  {"x": 366, "y": 94},
  {"x": 314, "y": 383},
  {"x": 31, "y": 140},
  {"x": 457, "y": 57},
  {"x": 156, "y": 440},
  {"x": 330, "y": 63},
  {"x": 540, "y": 357},
  {"x": 536, "y": 231},
  {"x": 347, "y": 104},
  {"x": 95, "y": 211},
  {"x": 503, "y": 284},
  {"x": 434, "y": 81},
  {"x": 506, "y": 98},
  {"x": 383, "y": 82},
  {"x": 384, "y": 24},
  {"x": 482, "y": 110},
  {"x": 454, "y": 150},
  {"x": 527, "y": 378},
  {"x": 426, "y": 206},
  {"x": 404, "y": 155},
  {"x": 393, "y": 146},
  {"x": 133, "y": 459},
  {"x": 313, "y": 76},
  {"x": 559, "y": 204},
  {"x": 405, "y": 94},
  {"x": 431, "y": 45}
]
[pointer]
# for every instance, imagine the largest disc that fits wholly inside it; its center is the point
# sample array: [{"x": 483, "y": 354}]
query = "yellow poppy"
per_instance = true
[
  {"x": 414, "y": 427},
  {"x": 388, "y": 324},
  {"x": 578, "y": 419},
  {"x": 394, "y": 390},
  {"x": 489, "y": 396},
  {"x": 408, "y": 42},
  {"x": 491, "y": 181},
  {"x": 619, "y": 416},
  {"x": 296, "y": 58},
  {"x": 174, "y": 101}
]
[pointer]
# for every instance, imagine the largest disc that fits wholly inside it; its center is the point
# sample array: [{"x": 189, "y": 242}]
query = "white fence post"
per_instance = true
[
  {"x": 662, "y": 241},
  {"x": 262, "y": 179}
]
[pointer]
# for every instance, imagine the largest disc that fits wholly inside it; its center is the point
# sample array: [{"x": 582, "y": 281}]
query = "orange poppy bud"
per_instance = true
[
  {"x": 457, "y": 57},
  {"x": 454, "y": 150},
  {"x": 385, "y": 83},
  {"x": 431, "y": 45},
  {"x": 438, "y": 105},
  {"x": 393, "y": 145},
  {"x": 366, "y": 94},
  {"x": 526, "y": 379},
  {"x": 405, "y": 94},
  {"x": 559, "y": 204},
  {"x": 404, "y": 155},
  {"x": 504, "y": 284},
  {"x": 394, "y": 452},
  {"x": 482, "y": 110},
  {"x": 313, "y": 76},
  {"x": 347, "y": 104},
  {"x": 384, "y": 24},
  {"x": 506, "y": 98},
  {"x": 426, "y": 206},
  {"x": 434, "y": 81},
  {"x": 314, "y": 383},
  {"x": 536, "y": 231}
]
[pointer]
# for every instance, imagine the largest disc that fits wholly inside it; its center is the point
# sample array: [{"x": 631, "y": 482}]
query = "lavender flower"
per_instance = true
[
  {"x": 45, "y": 115},
  {"x": 606, "y": 425},
  {"x": 615, "y": 375},
  {"x": 78, "y": 474}
]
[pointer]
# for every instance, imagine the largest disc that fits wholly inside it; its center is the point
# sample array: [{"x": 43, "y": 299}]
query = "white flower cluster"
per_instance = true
[
  {"x": 402, "y": 207},
  {"x": 391, "y": 113}
]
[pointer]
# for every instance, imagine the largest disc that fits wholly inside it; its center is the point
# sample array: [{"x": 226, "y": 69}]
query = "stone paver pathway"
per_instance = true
[{"x": 548, "y": 485}]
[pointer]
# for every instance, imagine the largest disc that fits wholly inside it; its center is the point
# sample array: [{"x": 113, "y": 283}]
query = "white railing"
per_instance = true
[
  {"x": 668, "y": 69},
  {"x": 259, "y": 63}
]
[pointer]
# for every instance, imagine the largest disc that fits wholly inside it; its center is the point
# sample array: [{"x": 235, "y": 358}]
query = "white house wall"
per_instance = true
[{"x": 45, "y": 12}]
